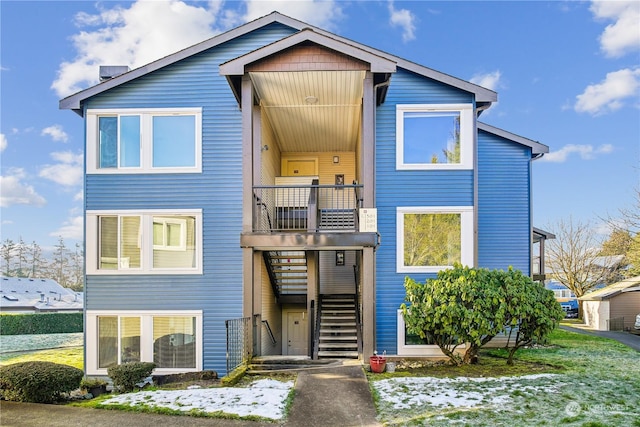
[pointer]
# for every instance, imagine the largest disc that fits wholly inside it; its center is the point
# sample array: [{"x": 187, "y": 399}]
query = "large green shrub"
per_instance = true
[
  {"x": 38, "y": 382},
  {"x": 533, "y": 311},
  {"x": 462, "y": 306},
  {"x": 471, "y": 306},
  {"x": 40, "y": 323},
  {"x": 126, "y": 376}
]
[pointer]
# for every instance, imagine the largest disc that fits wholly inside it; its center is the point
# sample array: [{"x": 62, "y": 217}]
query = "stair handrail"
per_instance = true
[
  {"x": 262, "y": 204},
  {"x": 316, "y": 338},
  {"x": 266, "y": 255},
  {"x": 270, "y": 332},
  {"x": 358, "y": 322}
]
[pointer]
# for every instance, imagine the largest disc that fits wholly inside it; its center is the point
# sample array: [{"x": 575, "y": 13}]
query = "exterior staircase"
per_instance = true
[
  {"x": 337, "y": 331},
  {"x": 288, "y": 273}
]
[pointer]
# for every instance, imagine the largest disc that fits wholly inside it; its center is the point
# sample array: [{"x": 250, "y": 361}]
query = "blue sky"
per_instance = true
[{"x": 567, "y": 75}]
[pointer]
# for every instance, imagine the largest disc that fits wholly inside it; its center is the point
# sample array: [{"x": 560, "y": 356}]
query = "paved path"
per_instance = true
[
  {"x": 332, "y": 396},
  {"x": 336, "y": 396},
  {"x": 630, "y": 340}
]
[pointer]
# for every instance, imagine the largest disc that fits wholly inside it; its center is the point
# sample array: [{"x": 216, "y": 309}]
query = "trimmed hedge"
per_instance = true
[
  {"x": 38, "y": 382},
  {"x": 40, "y": 323},
  {"x": 126, "y": 376}
]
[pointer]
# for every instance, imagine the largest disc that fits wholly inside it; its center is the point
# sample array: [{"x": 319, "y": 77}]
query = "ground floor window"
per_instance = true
[
  {"x": 412, "y": 345},
  {"x": 170, "y": 339}
]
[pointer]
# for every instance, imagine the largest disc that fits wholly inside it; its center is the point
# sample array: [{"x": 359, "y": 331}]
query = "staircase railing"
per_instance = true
[
  {"x": 270, "y": 332},
  {"x": 358, "y": 322},
  {"x": 316, "y": 335},
  {"x": 272, "y": 275}
]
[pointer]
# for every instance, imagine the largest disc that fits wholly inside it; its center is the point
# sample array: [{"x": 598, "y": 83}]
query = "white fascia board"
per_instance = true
[{"x": 536, "y": 147}]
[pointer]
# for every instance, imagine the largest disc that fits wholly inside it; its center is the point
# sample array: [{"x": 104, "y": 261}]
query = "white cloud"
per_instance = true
[
  {"x": 3, "y": 142},
  {"x": 490, "y": 81},
  {"x": 15, "y": 192},
  {"x": 134, "y": 36},
  {"x": 586, "y": 152},
  {"x": 68, "y": 170},
  {"x": 623, "y": 35},
  {"x": 324, "y": 14},
  {"x": 56, "y": 133},
  {"x": 71, "y": 229},
  {"x": 608, "y": 95},
  {"x": 405, "y": 19}
]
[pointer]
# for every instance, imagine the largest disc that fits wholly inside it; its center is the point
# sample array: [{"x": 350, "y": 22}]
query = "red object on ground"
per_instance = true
[{"x": 377, "y": 364}]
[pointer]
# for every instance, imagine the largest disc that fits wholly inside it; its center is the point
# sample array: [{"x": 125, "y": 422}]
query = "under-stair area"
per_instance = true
[
  {"x": 288, "y": 273},
  {"x": 337, "y": 332}
]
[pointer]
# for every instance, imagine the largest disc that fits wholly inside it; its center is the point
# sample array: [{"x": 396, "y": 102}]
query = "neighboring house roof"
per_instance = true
[
  {"x": 537, "y": 148},
  {"x": 17, "y": 293},
  {"x": 484, "y": 97},
  {"x": 609, "y": 261},
  {"x": 631, "y": 284}
]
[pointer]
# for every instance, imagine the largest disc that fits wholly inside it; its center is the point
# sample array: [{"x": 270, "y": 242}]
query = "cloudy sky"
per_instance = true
[{"x": 567, "y": 74}]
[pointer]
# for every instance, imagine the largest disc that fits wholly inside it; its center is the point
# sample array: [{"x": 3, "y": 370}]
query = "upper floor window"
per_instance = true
[
  {"x": 434, "y": 136},
  {"x": 153, "y": 242},
  {"x": 144, "y": 140},
  {"x": 434, "y": 238}
]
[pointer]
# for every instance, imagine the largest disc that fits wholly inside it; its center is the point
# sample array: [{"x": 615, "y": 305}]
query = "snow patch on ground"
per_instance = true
[
  {"x": 415, "y": 392},
  {"x": 264, "y": 398}
]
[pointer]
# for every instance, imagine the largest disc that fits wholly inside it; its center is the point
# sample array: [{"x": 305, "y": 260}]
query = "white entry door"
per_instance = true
[{"x": 296, "y": 336}]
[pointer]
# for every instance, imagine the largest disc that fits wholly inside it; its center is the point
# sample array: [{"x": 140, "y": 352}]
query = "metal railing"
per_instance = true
[
  {"x": 239, "y": 342},
  {"x": 306, "y": 207}
]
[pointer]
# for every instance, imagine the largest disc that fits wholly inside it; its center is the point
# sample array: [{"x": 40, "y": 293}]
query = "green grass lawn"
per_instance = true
[
  {"x": 575, "y": 380},
  {"x": 72, "y": 356},
  {"x": 578, "y": 380}
]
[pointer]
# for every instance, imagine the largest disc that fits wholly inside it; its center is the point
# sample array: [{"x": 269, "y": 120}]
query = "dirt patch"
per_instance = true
[{"x": 202, "y": 379}]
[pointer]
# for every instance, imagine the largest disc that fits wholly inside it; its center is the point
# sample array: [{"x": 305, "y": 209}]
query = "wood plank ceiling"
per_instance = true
[{"x": 312, "y": 110}]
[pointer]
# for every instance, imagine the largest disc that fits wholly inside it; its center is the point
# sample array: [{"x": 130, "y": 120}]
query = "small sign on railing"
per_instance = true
[{"x": 368, "y": 220}]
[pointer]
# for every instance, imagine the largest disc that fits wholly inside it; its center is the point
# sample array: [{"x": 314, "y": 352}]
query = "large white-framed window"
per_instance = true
[
  {"x": 434, "y": 136},
  {"x": 144, "y": 242},
  {"x": 165, "y": 140},
  {"x": 172, "y": 339},
  {"x": 411, "y": 344},
  {"x": 430, "y": 239}
]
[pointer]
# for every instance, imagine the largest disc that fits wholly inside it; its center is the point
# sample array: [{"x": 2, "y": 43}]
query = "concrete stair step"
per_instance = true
[{"x": 338, "y": 354}]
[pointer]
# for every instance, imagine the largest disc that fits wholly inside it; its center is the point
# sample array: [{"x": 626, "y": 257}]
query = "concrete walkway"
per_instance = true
[
  {"x": 630, "y": 340},
  {"x": 336, "y": 396}
]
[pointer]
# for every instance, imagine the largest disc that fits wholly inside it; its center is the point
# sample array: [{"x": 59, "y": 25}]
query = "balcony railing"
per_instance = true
[{"x": 313, "y": 208}]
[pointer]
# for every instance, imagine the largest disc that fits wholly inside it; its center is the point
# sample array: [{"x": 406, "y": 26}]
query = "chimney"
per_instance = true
[{"x": 110, "y": 71}]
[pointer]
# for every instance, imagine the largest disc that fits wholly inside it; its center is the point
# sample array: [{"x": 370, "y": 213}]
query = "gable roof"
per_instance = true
[
  {"x": 631, "y": 284},
  {"x": 537, "y": 149},
  {"x": 484, "y": 97}
]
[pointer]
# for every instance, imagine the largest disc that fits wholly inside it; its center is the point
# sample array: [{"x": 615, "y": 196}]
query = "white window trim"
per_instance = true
[
  {"x": 183, "y": 233},
  {"x": 466, "y": 231},
  {"x": 467, "y": 135},
  {"x": 415, "y": 350},
  {"x": 146, "y": 142},
  {"x": 146, "y": 337},
  {"x": 146, "y": 264}
]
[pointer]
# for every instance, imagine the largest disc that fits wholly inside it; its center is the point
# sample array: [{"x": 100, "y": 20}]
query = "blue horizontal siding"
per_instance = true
[
  {"x": 504, "y": 228},
  {"x": 192, "y": 82},
  {"x": 407, "y": 188}
]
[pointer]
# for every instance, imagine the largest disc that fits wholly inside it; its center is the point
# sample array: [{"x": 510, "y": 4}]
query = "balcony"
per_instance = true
[{"x": 310, "y": 208}]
